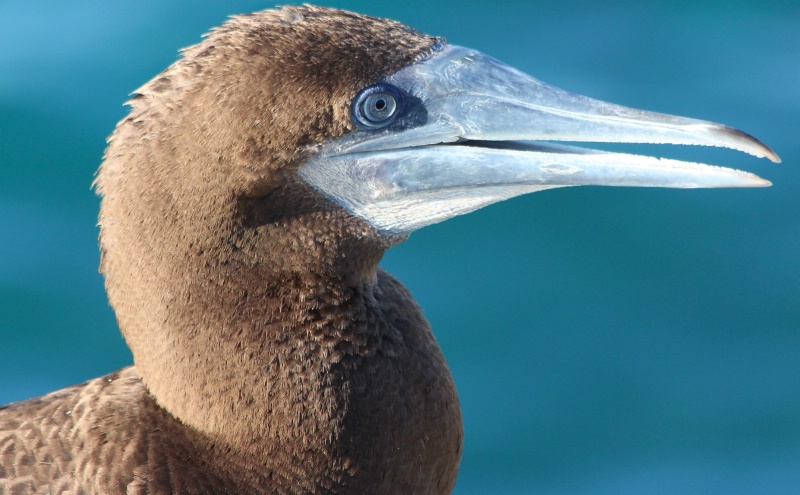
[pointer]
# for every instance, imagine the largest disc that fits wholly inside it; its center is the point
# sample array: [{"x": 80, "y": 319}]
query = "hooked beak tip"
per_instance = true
[{"x": 756, "y": 147}]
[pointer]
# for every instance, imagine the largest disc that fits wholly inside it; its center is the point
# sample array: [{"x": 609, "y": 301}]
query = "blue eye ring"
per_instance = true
[{"x": 377, "y": 106}]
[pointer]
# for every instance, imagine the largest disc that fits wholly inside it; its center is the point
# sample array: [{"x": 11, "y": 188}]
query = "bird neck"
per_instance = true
[
  {"x": 257, "y": 366},
  {"x": 265, "y": 325},
  {"x": 236, "y": 317},
  {"x": 247, "y": 322}
]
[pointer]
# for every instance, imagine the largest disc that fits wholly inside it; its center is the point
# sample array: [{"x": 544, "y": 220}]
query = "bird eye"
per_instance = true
[{"x": 377, "y": 106}]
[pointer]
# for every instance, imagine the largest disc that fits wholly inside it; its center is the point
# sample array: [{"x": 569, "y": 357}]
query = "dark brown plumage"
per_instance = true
[
  {"x": 247, "y": 200},
  {"x": 272, "y": 355}
]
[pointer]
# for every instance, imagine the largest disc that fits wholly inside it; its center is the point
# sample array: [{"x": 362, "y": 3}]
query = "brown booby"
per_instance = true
[{"x": 246, "y": 202}]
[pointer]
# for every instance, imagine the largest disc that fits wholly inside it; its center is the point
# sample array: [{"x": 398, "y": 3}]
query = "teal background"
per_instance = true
[{"x": 604, "y": 340}]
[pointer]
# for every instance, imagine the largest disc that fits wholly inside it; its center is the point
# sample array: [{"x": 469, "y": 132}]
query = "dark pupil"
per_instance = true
[{"x": 379, "y": 107}]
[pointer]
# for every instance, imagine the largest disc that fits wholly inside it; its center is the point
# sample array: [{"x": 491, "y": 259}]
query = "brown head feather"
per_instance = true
[{"x": 253, "y": 306}]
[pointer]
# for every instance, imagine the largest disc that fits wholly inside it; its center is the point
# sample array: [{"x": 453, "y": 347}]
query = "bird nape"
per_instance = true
[{"x": 246, "y": 202}]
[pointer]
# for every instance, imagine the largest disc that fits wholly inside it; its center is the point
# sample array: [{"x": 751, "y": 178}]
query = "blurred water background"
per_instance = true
[{"x": 604, "y": 340}]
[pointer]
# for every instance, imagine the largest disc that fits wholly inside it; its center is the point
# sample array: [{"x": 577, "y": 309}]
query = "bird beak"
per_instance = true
[{"x": 472, "y": 134}]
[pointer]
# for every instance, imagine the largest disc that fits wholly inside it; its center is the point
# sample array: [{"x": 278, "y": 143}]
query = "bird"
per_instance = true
[{"x": 246, "y": 202}]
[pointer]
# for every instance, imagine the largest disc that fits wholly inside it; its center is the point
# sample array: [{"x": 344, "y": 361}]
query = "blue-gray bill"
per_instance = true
[{"x": 468, "y": 133}]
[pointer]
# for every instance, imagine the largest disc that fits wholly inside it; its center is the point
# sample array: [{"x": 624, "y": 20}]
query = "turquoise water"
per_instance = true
[{"x": 604, "y": 341}]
